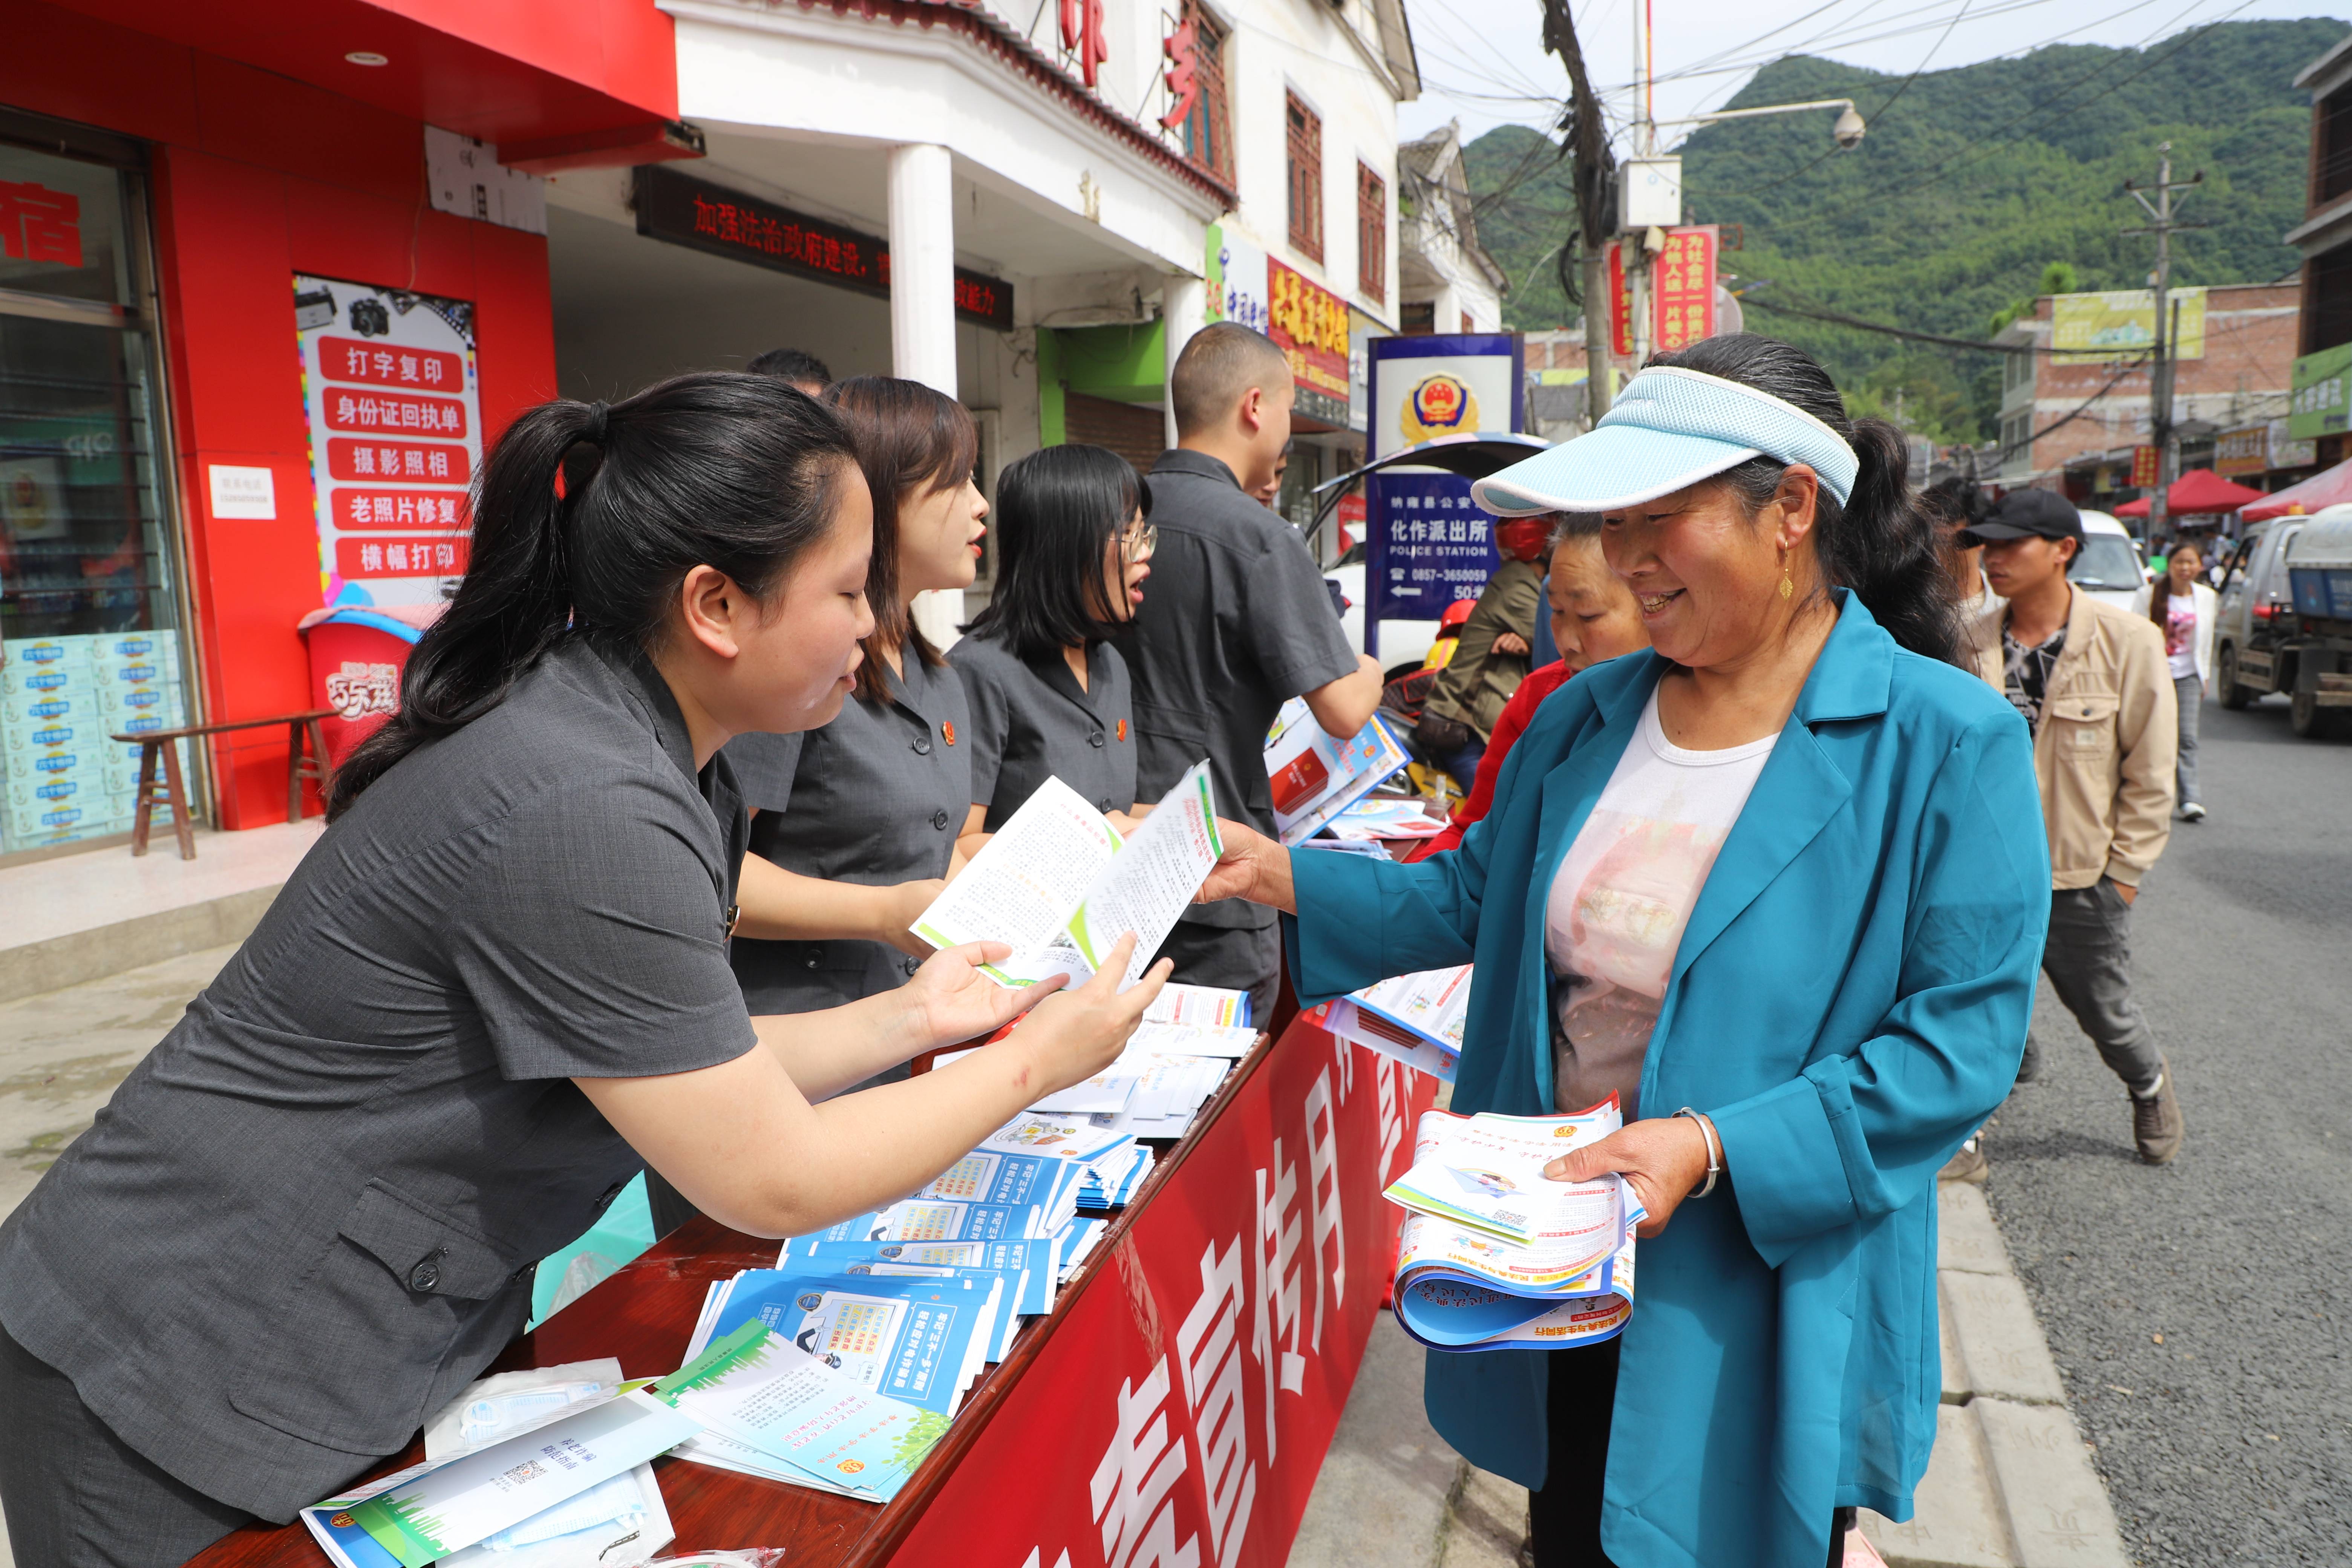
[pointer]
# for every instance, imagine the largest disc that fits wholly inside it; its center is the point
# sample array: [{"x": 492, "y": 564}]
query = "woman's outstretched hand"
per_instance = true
[
  {"x": 1071, "y": 1036},
  {"x": 1664, "y": 1157},
  {"x": 1252, "y": 867},
  {"x": 949, "y": 1000}
]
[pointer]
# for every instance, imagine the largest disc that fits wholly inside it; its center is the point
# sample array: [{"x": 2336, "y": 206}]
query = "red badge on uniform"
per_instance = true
[
  {"x": 947, "y": 728},
  {"x": 1122, "y": 729}
]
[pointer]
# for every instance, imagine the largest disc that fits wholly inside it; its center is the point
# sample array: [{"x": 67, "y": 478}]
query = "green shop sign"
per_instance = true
[{"x": 2320, "y": 405}]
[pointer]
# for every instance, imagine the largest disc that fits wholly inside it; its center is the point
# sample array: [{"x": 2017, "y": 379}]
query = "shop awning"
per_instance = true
[
  {"x": 555, "y": 85},
  {"x": 2332, "y": 487},
  {"x": 2198, "y": 491}
]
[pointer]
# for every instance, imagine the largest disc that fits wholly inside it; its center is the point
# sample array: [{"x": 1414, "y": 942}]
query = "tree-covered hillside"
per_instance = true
[{"x": 1970, "y": 183}]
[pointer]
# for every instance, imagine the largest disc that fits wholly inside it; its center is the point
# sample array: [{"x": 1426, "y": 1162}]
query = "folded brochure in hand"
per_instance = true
[
  {"x": 1059, "y": 885},
  {"x": 1419, "y": 1019},
  {"x": 1495, "y": 1255}
]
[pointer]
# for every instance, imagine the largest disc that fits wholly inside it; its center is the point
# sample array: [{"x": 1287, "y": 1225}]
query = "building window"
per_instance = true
[
  {"x": 1417, "y": 317},
  {"x": 2327, "y": 300},
  {"x": 1208, "y": 128},
  {"x": 1469, "y": 326},
  {"x": 1306, "y": 129},
  {"x": 1372, "y": 233},
  {"x": 2331, "y": 153}
]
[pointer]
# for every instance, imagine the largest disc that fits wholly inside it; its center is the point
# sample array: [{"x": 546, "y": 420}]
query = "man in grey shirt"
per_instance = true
[{"x": 1236, "y": 621}]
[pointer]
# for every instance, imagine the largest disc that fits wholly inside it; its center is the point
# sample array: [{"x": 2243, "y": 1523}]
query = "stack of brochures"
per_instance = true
[
  {"x": 1315, "y": 775},
  {"x": 1496, "y": 1255},
  {"x": 1417, "y": 1018},
  {"x": 1388, "y": 816}
]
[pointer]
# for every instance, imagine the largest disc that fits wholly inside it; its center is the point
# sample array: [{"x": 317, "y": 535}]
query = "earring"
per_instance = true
[{"x": 1787, "y": 587}]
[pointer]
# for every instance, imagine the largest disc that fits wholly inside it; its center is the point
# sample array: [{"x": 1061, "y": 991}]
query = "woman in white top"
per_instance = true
[{"x": 2184, "y": 610}]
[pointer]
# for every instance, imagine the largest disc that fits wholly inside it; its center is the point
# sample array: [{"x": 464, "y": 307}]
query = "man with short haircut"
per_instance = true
[
  {"x": 1234, "y": 622},
  {"x": 796, "y": 368},
  {"x": 2092, "y": 684}
]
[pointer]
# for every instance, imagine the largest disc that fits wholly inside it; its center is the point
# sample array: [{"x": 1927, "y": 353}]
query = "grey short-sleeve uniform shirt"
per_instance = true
[
  {"x": 1030, "y": 722},
  {"x": 875, "y": 797},
  {"x": 309, "y": 1217},
  {"x": 1234, "y": 622}
]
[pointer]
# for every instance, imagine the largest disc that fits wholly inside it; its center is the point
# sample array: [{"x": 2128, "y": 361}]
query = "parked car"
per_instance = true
[
  {"x": 2286, "y": 621},
  {"x": 1403, "y": 644},
  {"x": 2109, "y": 566}
]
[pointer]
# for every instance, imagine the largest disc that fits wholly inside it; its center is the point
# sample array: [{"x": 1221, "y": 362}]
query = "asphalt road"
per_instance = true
[{"x": 2198, "y": 1312}]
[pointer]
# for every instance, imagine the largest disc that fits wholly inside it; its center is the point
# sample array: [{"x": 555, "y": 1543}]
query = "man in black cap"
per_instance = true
[{"x": 2091, "y": 682}]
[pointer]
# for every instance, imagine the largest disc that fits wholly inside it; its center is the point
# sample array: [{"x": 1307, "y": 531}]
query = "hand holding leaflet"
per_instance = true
[{"x": 1060, "y": 885}]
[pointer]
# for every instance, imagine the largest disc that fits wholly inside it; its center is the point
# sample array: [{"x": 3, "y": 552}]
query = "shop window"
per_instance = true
[
  {"x": 1208, "y": 128},
  {"x": 1372, "y": 233},
  {"x": 89, "y": 596},
  {"x": 1306, "y": 138}
]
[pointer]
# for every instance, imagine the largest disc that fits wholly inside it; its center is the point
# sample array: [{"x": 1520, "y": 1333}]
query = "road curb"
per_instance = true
[{"x": 2010, "y": 1484}]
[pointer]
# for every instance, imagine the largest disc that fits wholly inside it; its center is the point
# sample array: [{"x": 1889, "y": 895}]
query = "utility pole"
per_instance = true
[
  {"x": 1586, "y": 138},
  {"x": 2162, "y": 223}
]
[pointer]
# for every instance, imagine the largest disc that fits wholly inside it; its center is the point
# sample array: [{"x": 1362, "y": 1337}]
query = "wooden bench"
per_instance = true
[{"x": 175, "y": 793}]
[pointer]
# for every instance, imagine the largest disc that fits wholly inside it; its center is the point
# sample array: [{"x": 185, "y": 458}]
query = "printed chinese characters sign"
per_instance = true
[
  {"x": 388, "y": 386},
  {"x": 1309, "y": 324},
  {"x": 1179, "y": 1416},
  {"x": 1430, "y": 544},
  {"x": 1682, "y": 291}
]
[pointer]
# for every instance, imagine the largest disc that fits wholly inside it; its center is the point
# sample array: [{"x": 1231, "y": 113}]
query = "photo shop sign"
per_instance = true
[
  {"x": 1190, "y": 1392},
  {"x": 395, "y": 417}
]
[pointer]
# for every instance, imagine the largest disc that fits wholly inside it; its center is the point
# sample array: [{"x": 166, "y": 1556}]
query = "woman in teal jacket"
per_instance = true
[{"x": 1780, "y": 886}]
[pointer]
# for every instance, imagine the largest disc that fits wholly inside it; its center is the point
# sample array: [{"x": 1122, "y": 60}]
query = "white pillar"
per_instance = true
[
  {"x": 1183, "y": 310},
  {"x": 922, "y": 267},
  {"x": 923, "y": 311}
]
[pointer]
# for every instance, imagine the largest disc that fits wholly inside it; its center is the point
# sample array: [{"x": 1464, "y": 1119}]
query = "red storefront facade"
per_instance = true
[{"x": 261, "y": 145}]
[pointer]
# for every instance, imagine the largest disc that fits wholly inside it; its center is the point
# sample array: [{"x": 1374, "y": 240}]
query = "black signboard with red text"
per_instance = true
[{"x": 683, "y": 210}]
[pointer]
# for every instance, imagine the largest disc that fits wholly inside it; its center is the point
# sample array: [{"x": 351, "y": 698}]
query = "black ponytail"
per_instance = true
[
  {"x": 585, "y": 520},
  {"x": 1878, "y": 544}
]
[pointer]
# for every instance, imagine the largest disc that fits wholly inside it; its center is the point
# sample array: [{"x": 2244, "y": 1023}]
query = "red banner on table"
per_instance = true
[{"x": 1180, "y": 1413}]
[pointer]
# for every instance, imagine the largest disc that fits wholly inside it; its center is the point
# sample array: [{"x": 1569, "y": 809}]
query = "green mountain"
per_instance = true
[{"x": 1970, "y": 186}]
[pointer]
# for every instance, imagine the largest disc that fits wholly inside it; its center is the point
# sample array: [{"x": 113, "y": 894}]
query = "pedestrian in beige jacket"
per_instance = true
[{"x": 2092, "y": 684}]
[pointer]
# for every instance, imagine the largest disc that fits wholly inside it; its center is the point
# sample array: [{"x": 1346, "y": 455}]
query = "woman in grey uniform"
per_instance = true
[
  {"x": 1049, "y": 694},
  {"x": 494, "y": 991},
  {"x": 856, "y": 822}
]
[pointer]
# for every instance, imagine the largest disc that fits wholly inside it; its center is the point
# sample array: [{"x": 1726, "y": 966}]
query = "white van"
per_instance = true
[{"x": 2109, "y": 566}]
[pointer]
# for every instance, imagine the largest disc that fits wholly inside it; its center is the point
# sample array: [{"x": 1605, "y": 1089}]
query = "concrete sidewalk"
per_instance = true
[{"x": 2008, "y": 1486}]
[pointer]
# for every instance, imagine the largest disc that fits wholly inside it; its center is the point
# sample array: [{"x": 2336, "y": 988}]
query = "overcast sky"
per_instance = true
[{"x": 1482, "y": 61}]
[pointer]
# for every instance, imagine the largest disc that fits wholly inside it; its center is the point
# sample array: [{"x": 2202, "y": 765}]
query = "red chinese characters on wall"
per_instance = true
[
  {"x": 1083, "y": 34},
  {"x": 826, "y": 251},
  {"x": 354, "y": 458},
  {"x": 1182, "y": 50},
  {"x": 1309, "y": 324},
  {"x": 356, "y": 408},
  {"x": 441, "y": 555},
  {"x": 357, "y": 508},
  {"x": 38, "y": 224}
]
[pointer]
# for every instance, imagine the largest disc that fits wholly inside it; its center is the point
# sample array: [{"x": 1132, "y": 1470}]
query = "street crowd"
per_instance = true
[{"x": 1825, "y": 773}]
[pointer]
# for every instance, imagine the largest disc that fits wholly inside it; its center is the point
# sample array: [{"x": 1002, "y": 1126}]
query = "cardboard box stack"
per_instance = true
[{"x": 60, "y": 778}]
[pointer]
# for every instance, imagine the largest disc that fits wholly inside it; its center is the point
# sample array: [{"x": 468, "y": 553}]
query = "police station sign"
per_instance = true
[
  {"x": 1426, "y": 542},
  {"x": 395, "y": 417}
]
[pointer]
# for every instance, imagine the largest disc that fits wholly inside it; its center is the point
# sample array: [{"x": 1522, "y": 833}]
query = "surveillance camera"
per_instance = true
[{"x": 1848, "y": 130}]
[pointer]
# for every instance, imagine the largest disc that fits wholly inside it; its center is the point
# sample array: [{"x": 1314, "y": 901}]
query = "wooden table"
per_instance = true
[{"x": 155, "y": 742}]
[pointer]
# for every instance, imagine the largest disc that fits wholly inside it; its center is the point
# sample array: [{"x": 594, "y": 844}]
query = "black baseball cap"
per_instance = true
[{"x": 2045, "y": 514}]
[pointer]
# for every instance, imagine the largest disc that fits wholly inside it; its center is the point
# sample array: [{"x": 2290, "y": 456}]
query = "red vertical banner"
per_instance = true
[
  {"x": 1180, "y": 1413},
  {"x": 1620, "y": 303},
  {"x": 1682, "y": 288}
]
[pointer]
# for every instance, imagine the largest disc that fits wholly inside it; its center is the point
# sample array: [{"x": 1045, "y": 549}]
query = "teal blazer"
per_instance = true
[{"x": 1849, "y": 1002}]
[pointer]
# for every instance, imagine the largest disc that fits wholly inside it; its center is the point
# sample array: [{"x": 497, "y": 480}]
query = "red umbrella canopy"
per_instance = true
[
  {"x": 2331, "y": 488},
  {"x": 2198, "y": 490}
]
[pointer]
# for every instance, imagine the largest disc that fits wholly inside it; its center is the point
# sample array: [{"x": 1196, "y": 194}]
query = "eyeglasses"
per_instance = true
[{"x": 1136, "y": 544}]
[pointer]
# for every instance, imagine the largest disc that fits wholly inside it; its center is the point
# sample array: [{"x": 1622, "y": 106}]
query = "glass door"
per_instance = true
[{"x": 90, "y": 601}]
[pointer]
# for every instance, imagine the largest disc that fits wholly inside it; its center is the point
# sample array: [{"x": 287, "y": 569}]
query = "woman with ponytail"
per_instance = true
[
  {"x": 857, "y": 821},
  {"x": 1779, "y": 886},
  {"x": 494, "y": 991}
]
